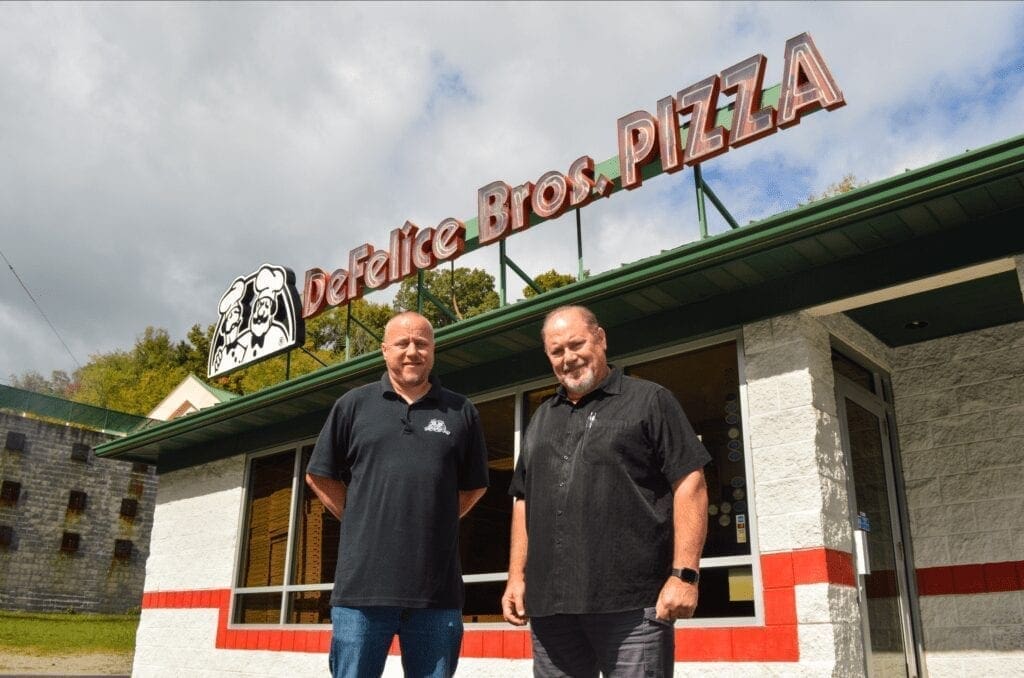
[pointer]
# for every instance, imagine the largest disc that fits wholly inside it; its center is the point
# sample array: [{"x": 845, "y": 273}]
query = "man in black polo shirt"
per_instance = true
[
  {"x": 610, "y": 515},
  {"x": 398, "y": 462}
]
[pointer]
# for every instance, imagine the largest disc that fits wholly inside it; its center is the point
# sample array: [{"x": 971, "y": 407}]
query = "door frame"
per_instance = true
[{"x": 879, "y": 403}]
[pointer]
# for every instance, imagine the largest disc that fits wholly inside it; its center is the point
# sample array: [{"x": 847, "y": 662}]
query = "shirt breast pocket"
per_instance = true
[{"x": 608, "y": 441}]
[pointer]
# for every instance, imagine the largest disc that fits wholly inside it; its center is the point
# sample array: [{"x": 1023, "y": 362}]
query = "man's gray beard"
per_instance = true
[{"x": 585, "y": 384}]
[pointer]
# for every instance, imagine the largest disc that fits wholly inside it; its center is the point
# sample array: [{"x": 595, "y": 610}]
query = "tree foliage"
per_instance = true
[
  {"x": 844, "y": 185},
  {"x": 59, "y": 384},
  {"x": 136, "y": 380},
  {"x": 466, "y": 291},
  {"x": 549, "y": 280},
  {"x": 133, "y": 381}
]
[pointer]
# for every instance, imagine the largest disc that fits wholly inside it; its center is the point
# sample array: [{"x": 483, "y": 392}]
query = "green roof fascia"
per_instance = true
[
  {"x": 366, "y": 363},
  {"x": 91, "y": 417},
  {"x": 1002, "y": 158}
]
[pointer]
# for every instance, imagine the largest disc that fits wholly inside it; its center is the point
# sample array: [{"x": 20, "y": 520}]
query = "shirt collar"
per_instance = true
[
  {"x": 388, "y": 390},
  {"x": 612, "y": 385}
]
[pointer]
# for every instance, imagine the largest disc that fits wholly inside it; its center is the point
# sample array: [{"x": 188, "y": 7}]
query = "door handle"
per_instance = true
[{"x": 860, "y": 552}]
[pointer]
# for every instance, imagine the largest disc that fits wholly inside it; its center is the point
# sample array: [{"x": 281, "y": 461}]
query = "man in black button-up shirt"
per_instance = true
[{"x": 610, "y": 516}]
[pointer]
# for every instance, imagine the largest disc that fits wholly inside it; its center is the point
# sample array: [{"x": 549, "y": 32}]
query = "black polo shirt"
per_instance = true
[
  {"x": 404, "y": 466},
  {"x": 597, "y": 479}
]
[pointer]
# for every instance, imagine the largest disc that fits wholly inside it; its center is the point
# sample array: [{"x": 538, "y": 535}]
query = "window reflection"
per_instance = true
[
  {"x": 270, "y": 498},
  {"x": 318, "y": 534},
  {"x": 706, "y": 384},
  {"x": 484, "y": 532}
]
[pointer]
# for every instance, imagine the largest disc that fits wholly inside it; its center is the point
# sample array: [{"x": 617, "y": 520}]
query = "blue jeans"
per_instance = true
[{"x": 430, "y": 640}]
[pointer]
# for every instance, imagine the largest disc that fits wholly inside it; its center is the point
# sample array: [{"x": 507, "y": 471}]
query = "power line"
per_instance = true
[{"x": 40, "y": 309}]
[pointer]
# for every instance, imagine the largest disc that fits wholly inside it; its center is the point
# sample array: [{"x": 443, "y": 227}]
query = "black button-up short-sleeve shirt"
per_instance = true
[{"x": 597, "y": 479}]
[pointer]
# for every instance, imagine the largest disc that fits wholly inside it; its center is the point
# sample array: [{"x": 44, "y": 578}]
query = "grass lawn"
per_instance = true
[{"x": 44, "y": 634}]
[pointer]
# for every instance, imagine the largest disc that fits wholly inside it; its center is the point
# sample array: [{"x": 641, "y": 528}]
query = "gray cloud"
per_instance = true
[{"x": 153, "y": 153}]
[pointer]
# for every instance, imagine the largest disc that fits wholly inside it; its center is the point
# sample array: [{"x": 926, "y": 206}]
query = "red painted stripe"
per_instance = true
[
  {"x": 950, "y": 580},
  {"x": 776, "y": 641}
]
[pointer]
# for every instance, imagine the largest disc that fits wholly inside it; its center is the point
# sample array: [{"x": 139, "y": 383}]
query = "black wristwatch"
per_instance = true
[{"x": 687, "y": 575}]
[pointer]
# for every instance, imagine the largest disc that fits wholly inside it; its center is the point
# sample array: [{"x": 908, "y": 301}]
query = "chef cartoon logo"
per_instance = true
[{"x": 259, "y": 318}]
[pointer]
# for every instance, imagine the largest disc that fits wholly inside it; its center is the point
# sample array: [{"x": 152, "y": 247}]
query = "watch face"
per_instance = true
[{"x": 688, "y": 575}]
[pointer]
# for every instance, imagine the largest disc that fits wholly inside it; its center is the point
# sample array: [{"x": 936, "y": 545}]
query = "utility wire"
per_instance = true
[{"x": 40, "y": 309}]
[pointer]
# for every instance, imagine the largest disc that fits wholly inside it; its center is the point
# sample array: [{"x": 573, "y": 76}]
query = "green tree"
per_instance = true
[
  {"x": 466, "y": 291},
  {"x": 136, "y": 381},
  {"x": 550, "y": 280},
  {"x": 324, "y": 345},
  {"x": 59, "y": 384},
  {"x": 194, "y": 351},
  {"x": 132, "y": 381},
  {"x": 326, "y": 332}
]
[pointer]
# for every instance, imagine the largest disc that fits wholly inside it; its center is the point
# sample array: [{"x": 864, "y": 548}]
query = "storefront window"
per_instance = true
[
  {"x": 290, "y": 541},
  {"x": 268, "y": 516},
  {"x": 316, "y": 554},
  {"x": 313, "y": 548},
  {"x": 270, "y": 498},
  {"x": 706, "y": 383},
  {"x": 484, "y": 533}
]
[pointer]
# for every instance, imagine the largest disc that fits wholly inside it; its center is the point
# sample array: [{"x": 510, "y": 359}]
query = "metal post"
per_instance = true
[
  {"x": 348, "y": 332},
  {"x": 501, "y": 274},
  {"x": 288, "y": 366},
  {"x": 702, "y": 217},
  {"x": 720, "y": 206},
  {"x": 419, "y": 291},
  {"x": 579, "y": 246}
]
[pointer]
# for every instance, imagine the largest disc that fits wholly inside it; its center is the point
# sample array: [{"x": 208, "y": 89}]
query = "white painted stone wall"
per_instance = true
[
  {"x": 960, "y": 413},
  {"x": 800, "y": 480}
]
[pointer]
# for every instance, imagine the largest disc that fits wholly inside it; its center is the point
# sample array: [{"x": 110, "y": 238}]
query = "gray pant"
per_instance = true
[{"x": 632, "y": 644}]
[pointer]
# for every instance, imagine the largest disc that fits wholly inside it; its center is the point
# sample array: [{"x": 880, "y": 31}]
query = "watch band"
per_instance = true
[{"x": 688, "y": 575}]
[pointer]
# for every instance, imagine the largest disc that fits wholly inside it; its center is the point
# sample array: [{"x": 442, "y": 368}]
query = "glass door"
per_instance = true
[{"x": 878, "y": 545}]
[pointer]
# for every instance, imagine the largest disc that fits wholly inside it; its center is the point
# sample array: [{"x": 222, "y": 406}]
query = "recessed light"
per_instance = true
[{"x": 916, "y": 325}]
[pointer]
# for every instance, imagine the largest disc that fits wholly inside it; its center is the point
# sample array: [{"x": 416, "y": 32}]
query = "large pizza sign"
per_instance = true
[{"x": 684, "y": 129}]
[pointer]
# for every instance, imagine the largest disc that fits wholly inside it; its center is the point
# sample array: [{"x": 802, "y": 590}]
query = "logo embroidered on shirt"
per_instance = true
[{"x": 437, "y": 426}]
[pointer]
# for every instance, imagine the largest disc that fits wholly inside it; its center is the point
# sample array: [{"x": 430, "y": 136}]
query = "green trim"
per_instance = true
[{"x": 18, "y": 401}]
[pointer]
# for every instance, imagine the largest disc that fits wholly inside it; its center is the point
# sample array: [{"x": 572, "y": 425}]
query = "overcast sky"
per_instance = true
[{"x": 151, "y": 153}]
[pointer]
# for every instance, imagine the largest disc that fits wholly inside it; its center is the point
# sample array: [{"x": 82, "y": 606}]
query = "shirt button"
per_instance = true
[
  {"x": 559, "y": 512},
  {"x": 561, "y": 484},
  {"x": 565, "y": 456}
]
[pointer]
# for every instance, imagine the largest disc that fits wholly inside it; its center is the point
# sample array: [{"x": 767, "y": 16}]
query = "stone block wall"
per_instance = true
[
  {"x": 960, "y": 413},
  {"x": 36, "y": 573}
]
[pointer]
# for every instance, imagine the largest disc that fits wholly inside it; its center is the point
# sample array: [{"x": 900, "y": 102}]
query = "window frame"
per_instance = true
[
  {"x": 242, "y": 540},
  {"x": 518, "y": 392}
]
